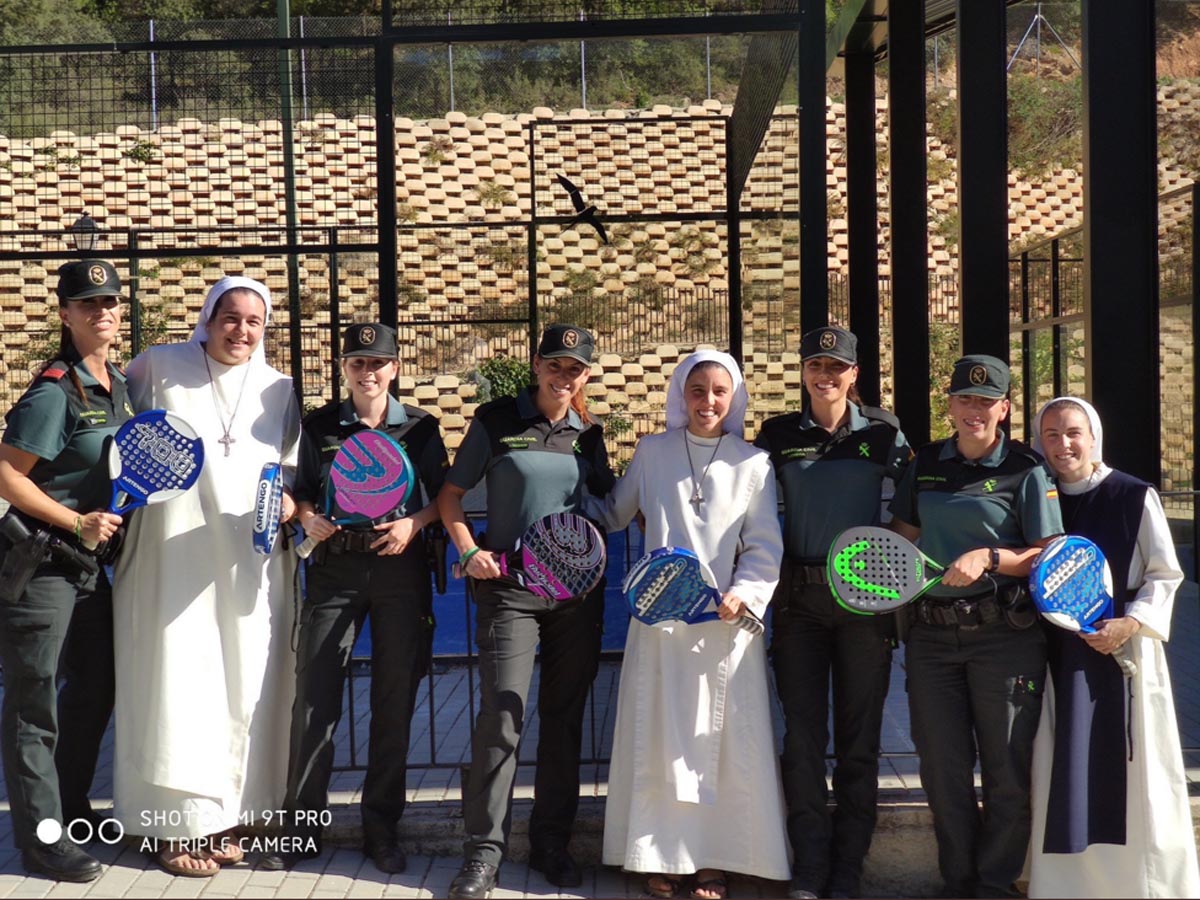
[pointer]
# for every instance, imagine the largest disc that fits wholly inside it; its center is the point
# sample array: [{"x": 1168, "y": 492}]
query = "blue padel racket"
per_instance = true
[
  {"x": 268, "y": 503},
  {"x": 558, "y": 557},
  {"x": 672, "y": 584},
  {"x": 874, "y": 570},
  {"x": 371, "y": 476},
  {"x": 155, "y": 457},
  {"x": 1072, "y": 586}
]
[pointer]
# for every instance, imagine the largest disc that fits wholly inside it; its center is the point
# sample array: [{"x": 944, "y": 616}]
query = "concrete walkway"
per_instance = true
[{"x": 902, "y": 861}]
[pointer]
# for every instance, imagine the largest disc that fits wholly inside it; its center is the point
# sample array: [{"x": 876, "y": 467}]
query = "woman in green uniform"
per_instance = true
[
  {"x": 378, "y": 568},
  {"x": 982, "y": 505},
  {"x": 538, "y": 452},
  {"x": 831, "y": 461},
  {"x": 55, "y": 599}
]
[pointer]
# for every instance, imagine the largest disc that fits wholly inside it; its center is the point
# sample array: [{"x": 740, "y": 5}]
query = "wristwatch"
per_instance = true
[{"x": 993, "y": 559}]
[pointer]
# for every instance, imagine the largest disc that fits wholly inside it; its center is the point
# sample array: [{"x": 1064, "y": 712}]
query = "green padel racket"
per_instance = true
[{"x": 873, "y": 570}]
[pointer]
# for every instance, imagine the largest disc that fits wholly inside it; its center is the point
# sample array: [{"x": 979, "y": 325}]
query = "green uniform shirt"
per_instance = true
[
  {"x": 533, "y": 468},
  {"x": 1005, "y": 499},
  {"x": 831, "y": 481},
  {"x": 70, "y": 438}
]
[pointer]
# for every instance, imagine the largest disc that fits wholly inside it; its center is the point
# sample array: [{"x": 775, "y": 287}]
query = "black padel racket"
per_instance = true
[
  {"x": 268, "y": 504},
  {"x": 1072, "y": 586},
  {"x": 558, "y": 557},
  {"x": 873, "y": 570},
  {"x": 673, "y": 584},
  {"x": 154, "y": 457}
]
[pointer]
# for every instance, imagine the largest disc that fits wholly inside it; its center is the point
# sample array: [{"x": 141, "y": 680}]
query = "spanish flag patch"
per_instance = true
[{"x": 1052, "y": 494}]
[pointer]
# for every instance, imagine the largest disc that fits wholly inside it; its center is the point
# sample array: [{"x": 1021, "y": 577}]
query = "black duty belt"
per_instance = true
[
  {"x": 352, "y": 541},
  {"x": 965, "y": 612},
  {"x": 808, "y": 573}
]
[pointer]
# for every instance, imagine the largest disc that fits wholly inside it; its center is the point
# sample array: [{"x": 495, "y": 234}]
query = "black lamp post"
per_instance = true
[{"x": 85, "y": 234}]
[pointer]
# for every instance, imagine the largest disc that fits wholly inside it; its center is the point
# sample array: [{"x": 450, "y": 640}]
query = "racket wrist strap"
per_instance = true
[
  {"x": 465, "y": 558},
  {"x": 78, "y": 528}
]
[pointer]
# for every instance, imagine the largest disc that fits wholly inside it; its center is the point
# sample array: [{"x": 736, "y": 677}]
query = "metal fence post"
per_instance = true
[
  {"x": 135, "y": 304},
  {"x": 1027, "y": 348},
  {"x": 1056, "y": 311},
  {"x": 335, "y": 313},
  {"x": 450, "y": 62},
  {"x": 296, "y": 349},
  {"x": 531, "y": 248},
  {"x": 153, "y": 83},
  {"x": 1195, "y": 375}
]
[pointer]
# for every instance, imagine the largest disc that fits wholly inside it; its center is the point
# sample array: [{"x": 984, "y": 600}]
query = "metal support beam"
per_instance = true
[
  {"x": 862, "y": 218},
  {"x": 983, "y": 177},
  {"x": 1120, "y": 229},
  {"x": 910, "y": 243},
  {"x": 814, "y": 224},
  {"x": 385, "y": 167}
]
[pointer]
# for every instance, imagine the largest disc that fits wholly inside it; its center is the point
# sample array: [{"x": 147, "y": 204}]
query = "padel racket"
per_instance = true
[
  {"x": 560, "y": 556},
  {"x": 1072, "y": 586},
  {"x": 370, "y": 477},
  {"x": 672, "y": 584},
  {"x": 268, "y": 502},
  {"x": 873, "y": 570},
  {"x": 154, "y": 457}
]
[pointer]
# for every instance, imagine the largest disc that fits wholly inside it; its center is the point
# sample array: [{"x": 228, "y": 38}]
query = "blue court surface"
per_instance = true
[{"x": 450, "y": 609}]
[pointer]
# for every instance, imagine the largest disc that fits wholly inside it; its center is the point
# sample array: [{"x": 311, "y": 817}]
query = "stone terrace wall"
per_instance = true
[{"x": 458, "y": 170}]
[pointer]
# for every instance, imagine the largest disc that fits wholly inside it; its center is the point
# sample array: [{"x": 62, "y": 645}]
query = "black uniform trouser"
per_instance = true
[
  {"x": 977, "y": 689},
  {"x": 395, "y": 592},
  {"x": 59, "y": 609},
  {"x": 510, "y": 624},
  {"x": 813, "y": 639}
]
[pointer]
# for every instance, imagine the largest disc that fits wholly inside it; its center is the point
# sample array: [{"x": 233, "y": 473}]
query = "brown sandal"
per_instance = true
[
  {"x": 170, "y": 857},
  {"x": 667, "y": 885},
  {"x": 224, "y": 848},
  {"x": 714, "y": 884}
]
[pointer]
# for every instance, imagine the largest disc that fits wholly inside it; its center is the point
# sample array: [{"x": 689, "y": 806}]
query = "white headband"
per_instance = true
[
  {"x": 219, "y": 290},
  {"x": 677, "y": 412},
  {"x": 1093, "y": 420}
]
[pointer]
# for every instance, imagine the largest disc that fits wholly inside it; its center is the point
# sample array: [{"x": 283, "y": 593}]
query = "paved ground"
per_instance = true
[{"x": 432, "y": 828}]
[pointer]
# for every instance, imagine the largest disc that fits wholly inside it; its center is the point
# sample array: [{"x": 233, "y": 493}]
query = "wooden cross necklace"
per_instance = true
[{"x": 226, "y": 438}]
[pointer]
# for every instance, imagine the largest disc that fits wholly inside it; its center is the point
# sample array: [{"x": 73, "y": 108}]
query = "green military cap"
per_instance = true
[
  {"x": 836, "y": 343},
  {"x": 88, "y": 278},
  {"x": 981, "y": 376},
  {"x": 369, "y": 339},
  {"x": 566, "y": 340}
]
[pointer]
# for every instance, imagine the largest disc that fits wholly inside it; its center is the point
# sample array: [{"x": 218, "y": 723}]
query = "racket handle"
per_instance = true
[
  {"x": 458, "y": 571},
  {"x": 1123, "y": 656},
  {"x": 751, "y": 623},
  {"x": 306, "y": 547}
]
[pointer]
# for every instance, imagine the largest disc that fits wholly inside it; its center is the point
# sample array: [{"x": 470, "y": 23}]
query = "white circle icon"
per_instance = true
[{"x": 49, "y": 831}]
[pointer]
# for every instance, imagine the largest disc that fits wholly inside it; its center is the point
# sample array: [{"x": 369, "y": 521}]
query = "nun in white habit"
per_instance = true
[
  {"x": 694, "y": 786},
  {"x": 1111, "y": 816},
  {"x": 203, "y": 622}
]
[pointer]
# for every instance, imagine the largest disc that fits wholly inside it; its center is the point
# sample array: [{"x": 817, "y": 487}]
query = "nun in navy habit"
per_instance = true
[{"x": 1110, "y": 802}]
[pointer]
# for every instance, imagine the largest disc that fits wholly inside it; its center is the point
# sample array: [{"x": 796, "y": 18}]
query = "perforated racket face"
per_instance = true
[
  {"x": 155, "y": 456},
  {"x": 1071, "y": 583},
  {"x": 670, "y": 583},
  {"x": 562, "y": 556},
  {"x": 874, "y": 570},
  {"x": 268, "y": 501},
  {"x": 371, "y": 476}
]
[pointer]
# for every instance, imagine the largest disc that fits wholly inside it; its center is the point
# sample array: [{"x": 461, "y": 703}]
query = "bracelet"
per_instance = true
[
  {"x": 78, "y": 528},
  {"x": 465, "y": 558}
]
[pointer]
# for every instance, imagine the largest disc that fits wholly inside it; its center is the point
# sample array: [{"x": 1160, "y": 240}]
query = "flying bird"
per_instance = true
[{"x": 583, "y": 211}]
